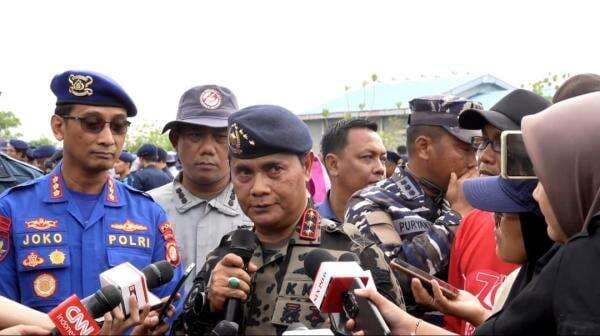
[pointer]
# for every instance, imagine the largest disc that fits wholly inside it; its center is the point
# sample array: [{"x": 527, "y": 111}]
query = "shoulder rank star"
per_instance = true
[
  {"x": 79, "y": 85},
  {"x": 310, "y": 226}
]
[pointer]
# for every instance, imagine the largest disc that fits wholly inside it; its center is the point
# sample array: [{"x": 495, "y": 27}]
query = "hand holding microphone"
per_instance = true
[{"x": 230, "y": 279}]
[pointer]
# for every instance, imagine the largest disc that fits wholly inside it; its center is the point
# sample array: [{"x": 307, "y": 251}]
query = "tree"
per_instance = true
[
  {"x": 8, "y": 120},
  {"x": 43, "y": 140},
  {"x": 147, "y": 132},
  {"x": 547, "y": 86},
  {"x": 394, "y": 133}
]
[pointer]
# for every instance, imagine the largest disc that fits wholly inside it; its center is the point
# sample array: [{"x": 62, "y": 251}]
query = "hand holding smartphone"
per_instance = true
[{"x": 411, "y": 271}]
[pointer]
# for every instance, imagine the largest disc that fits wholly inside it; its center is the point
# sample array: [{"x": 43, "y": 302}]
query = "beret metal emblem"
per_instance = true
[
  {"x": 237, "y": 137},
  {"x": 79, "y": 85}
]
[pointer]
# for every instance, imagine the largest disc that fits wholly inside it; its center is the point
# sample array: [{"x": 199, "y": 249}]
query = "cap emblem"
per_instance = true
[
  {"x": 237, "y": 138},
  {"x": 210, "y": 99},
  {"x": 80, "y": 85}
]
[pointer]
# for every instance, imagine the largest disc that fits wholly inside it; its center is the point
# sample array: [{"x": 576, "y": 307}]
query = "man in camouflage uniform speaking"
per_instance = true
[
  {"x": 270, "y": 165},
  {"x": 406, "y": 214}
]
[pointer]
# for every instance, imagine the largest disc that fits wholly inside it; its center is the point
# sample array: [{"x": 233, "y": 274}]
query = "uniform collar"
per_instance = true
[
  {"x": 326, "y": 211},
  {"x": 224, "y": 202},
  {"x": 57, "y": 190}
]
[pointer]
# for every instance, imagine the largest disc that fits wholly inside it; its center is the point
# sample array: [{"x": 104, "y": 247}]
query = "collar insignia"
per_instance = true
[
  {"x": 79, "y": 85},
  {"x": 129, "y": 226},
  {"x": 310, "y": 225},
  {"x": 41, "y": 224},
  {"x": 111, "y": 194},
  {"x": 55, "y": 187}
]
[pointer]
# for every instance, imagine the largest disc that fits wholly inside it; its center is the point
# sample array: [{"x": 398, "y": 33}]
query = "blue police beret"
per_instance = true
[
  {"x": 261, "y": 130},
  {"x": 43, "y": 151},
  {"x": 127, "y": 157},
  {"x": 162, "y": 154},
  {"x": 29, "y": 153},
  {"x": 148, "y": 150},
  {"x": 90, "y": 88},
  {"x": 19, "y": 144}
]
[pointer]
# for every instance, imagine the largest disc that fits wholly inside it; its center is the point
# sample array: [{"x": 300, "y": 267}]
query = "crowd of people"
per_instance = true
[{"x": 519, "y": 251}]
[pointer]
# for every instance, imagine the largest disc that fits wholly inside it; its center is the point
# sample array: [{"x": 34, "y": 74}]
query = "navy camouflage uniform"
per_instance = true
[
  {"x": 398, "y": 215},
  {"x": 280, "y": 288}
]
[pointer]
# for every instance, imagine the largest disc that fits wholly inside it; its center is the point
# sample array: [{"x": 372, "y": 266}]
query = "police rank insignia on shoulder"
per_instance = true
[
  {"x": 129, "y": 226},
  {"x": 55, "y": 187},
  {"x": 79, "y": 85},
  {"x": 41, "y": 224},
  {"x": 211, "y": 99},
  {"x": 44, "y": 285},
  {"x": 5, "y": 224},
  {"x": 310, "y": 225},
  {"x": 33, "y": 260}
]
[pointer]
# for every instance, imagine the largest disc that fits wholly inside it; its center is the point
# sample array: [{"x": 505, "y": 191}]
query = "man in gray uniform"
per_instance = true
[{"x": 200, "y": 202}]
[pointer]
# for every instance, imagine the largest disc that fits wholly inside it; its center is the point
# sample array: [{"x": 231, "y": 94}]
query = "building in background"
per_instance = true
[{"x": 387, "y": 103}]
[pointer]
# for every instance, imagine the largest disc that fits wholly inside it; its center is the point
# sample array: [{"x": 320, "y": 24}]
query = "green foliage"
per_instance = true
[
  {"x": 147, "y": 132},
  {"x": 8, "y": 120},
  {"x": 547, "y": 86},
  {"x": 43, "y": 140},
  {"x": 394, "y": 133}
]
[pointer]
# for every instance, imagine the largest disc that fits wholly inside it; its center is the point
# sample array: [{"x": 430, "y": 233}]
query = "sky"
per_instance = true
[{"x": 297, "y": 54}]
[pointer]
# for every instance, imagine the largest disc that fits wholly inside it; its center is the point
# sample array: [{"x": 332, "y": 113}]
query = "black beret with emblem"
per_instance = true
[
  {"x": 261, "y": 130},
  {"x": 206, "y": 105},
  {"x": 442, "y": 111},
  {"x": 90, "y": 88}
]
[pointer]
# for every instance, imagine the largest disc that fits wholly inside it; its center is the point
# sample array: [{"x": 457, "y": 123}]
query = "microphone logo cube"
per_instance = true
[{"x": 130, "y": 281}]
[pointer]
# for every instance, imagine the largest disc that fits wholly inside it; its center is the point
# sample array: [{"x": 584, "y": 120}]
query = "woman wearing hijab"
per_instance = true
[
  {"x": 564, "y": 298},
  {"x": 521, "y": 238}
]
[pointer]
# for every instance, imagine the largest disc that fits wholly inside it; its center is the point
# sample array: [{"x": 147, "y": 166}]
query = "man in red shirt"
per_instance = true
[{"x": 474, "y": 265}]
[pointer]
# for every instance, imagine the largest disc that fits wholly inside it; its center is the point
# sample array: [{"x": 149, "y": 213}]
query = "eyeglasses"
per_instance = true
[
  {"x": 95, "y": 124},
  {"x": 497, "y": 218},
  {"x": 481, "y": 143}
]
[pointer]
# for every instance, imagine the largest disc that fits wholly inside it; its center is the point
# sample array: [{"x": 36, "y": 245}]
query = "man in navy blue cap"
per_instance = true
[
  {"x": 149, "y": 176},
  {"x": 59, "y": 232},
  {"x": 123, "y": 165},
  {"x": 271, "y": 162},
  {"x": 407, "y": 214},
  {"x": 41, "y": 154},
  {"x": 200, "y": 201},
  {"x": 17, "y": 149}
]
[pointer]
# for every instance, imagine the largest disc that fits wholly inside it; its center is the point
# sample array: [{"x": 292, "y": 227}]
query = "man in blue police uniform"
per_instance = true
[
  {"x": 41, "y": 154},
  {"x": 59, "y": 232},
  {"x": 17, "y": 149},
  {"x": 149, "y": 176},
  {"x": 123, "y": 165}
]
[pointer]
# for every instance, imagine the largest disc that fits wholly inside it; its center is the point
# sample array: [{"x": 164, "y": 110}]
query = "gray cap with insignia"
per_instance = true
[
  {"x": 442, "y": 111},
  {"x": 206, "y": 105}
]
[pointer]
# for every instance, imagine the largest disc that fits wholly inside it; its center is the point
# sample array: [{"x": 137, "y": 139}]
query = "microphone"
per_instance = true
[
  {"x": 243, "y": 244},
  {"x": 131, "y": 281},
  {"x": 75, "y": 317},
  {"x": 333, "y": 289}
]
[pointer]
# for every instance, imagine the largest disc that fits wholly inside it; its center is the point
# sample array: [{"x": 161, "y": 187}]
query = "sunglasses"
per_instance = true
[
  {"x": 480, "y": 143},
  {"x": 95, "y": 124}
]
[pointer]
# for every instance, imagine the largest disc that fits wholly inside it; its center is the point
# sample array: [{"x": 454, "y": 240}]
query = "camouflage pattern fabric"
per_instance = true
[
  {"x": 280, "y": 287},
  {"x": 406, "y": 223}
]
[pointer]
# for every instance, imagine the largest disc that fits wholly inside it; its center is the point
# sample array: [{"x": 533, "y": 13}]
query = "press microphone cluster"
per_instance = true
[
  {"x": 131, "y": 281},
  {"x": 75, "y": 317},
  {"x": 333, "y": 288}
]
